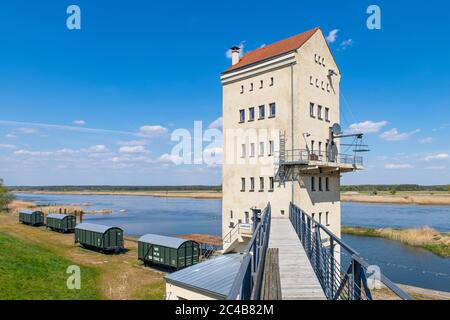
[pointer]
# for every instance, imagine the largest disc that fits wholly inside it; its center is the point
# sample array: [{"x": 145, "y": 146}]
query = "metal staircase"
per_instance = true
[{"x": 281, "y": 169}]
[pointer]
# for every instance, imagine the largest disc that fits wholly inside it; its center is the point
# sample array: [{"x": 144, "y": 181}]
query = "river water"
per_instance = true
[{"x": 174, "y": 217}]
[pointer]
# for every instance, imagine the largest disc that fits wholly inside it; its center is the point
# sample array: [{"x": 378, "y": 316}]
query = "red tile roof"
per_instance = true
[{"x": 273, "y": 50}]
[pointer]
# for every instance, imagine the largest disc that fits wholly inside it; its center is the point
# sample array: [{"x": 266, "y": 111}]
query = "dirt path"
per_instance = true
[{"x": 122, "y": 276}]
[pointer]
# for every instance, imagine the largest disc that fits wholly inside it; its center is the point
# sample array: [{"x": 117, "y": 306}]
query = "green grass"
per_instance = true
[
  {"x": 151, "y": 292},
  {"x": 438, "y": 249},
  {"x": 29, "y": 272}
]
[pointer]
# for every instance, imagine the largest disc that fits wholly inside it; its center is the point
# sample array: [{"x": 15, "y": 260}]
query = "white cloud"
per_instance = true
[
  {"x": 130, "y": 159},
  {"x": 346, "y": 43},
  {"x": 133, "y": 149},
  {"x": 32, "y": 153},
  {"x": 439, "y": 156},
  {"x": 332, "y": 35},
  {"x": 24, "y": 130},
  {"x": 394, "y": 135},
  {"x": 366, "y": 127},
  {"x": 216, "y": 124},
  {"x": 133, "y": 143},
  {"x": 398, "y": 166},
  {"x": 57, "y": 127},
  {"x": 66, "y": 152},
  {"x": 241, "y": 46},
  {"x": 96, "y": 149},
  {"x": 169, "y": 158},
  {"x": 7, "y": 146},
  {"x": 151, "y": 131},
  {"x": 79, "y": 122},
  {"x": 426, "y": 140}
]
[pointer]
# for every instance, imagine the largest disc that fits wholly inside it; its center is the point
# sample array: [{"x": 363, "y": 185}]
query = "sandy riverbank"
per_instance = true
[
  {"x": 399, "y": 198},
  {"x": 162, "y": 194}
]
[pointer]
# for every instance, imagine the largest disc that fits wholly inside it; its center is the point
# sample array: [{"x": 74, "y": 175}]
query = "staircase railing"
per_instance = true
[
  {"x": 247, "y": 284},
  {"x": 322, "y": 248}
]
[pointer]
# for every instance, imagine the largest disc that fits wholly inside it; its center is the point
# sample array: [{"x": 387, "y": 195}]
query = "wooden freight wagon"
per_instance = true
[
  {"x": 61, "y": 222},
  {"x": 98, "y": 237},
  {"x": 169, "y": 252},
  {"x": 32, "y": 218}
]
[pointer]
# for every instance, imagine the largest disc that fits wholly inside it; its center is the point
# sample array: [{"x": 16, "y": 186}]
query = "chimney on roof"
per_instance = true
[{"x": 235, "y": 53}]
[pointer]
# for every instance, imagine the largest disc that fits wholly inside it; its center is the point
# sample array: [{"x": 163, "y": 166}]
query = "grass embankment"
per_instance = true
[
  {"x": 47, "y": 254},
  {"x": 32, "y": 273},
  {"x": 425, "y": 237}
]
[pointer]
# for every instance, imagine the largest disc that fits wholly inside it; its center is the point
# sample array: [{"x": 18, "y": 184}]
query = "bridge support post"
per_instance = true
[
  {"x": 357, "y": 277},
  {"x": 332, "y": 266}
]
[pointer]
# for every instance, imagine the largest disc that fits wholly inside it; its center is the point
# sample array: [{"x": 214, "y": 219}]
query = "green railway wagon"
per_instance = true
[
  {"x": 61, "y": 222},
  {"x": 98, "y": 237},
  {"x": 168, "y": 252},
  {"x": 32, "y": 218}
]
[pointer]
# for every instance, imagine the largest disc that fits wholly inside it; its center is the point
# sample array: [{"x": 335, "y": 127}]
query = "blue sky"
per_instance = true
[{"x": 137, "y": 70}]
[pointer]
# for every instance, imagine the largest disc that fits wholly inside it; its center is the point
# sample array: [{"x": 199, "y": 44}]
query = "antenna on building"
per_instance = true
[{"x": 357, "y": 144}]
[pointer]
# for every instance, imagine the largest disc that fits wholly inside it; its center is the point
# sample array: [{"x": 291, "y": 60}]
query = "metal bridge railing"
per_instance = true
[
  {"x": 247, "y": 284},
  {"x": 306, "y": 156},
  {"x": 338, "y": 282}
]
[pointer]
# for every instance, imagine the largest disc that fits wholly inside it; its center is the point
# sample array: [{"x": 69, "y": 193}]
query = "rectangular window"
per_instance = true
[
  {"x": 231, "y": 214},
  {"x": 311, "y": 110},
  {"x": 243, "y": 184},
  {"x": 327, "y": 218},
  {"x": 252, "y": 184},
  {"x": 319, "y": 112},
  {"x": 320, "y": 217},
  {"x": 272, "y": 109},
  {"x": 261, "y": 84},
  {"x": 241, "y": 115},
  {"x": 312, "y": 146},
  {"x": 271, "y": 148},
  {"x": 261, "y": 149},
  {"x": 320, "y": 184},
  {"x": 251, "y": 86},
  {"x": 320, "y": 148},
  {"x": 327, "y": 114},
  {"x": 272, "y": 184},
  {"x": 252, "y": 150},
  {"x": 271, "y": 81},
  {"x": 327, "y": 184},
  {"x": 243, "y": 153},
  {"x": 313, "y": 184},
  {"x": 262, "y": 112},
  {"x": 261, "y": 184},
  {"x": 242, "y": 89},
  {"x": 251, "y": 114}
]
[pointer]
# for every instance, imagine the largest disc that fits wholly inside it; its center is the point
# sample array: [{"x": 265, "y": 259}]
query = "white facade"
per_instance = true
[{"x": 295, "y": 93}]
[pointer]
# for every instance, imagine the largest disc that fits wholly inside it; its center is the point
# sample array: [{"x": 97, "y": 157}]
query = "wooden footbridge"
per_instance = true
[
  {"x": 300, "y": 259},
  {"x": 297, "y": 278}
]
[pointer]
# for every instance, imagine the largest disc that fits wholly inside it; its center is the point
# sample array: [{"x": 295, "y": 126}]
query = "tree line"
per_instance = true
[{"x": 6, "y": 197}]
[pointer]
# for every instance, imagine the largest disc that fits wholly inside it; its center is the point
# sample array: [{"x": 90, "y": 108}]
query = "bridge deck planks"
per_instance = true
[
  {"x": 271, "y": 286},
  {"x": 297, "y": 278}
]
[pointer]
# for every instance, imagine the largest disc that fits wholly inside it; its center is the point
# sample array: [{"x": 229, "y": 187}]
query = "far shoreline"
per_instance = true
[{"x": 406, "y": 198}]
